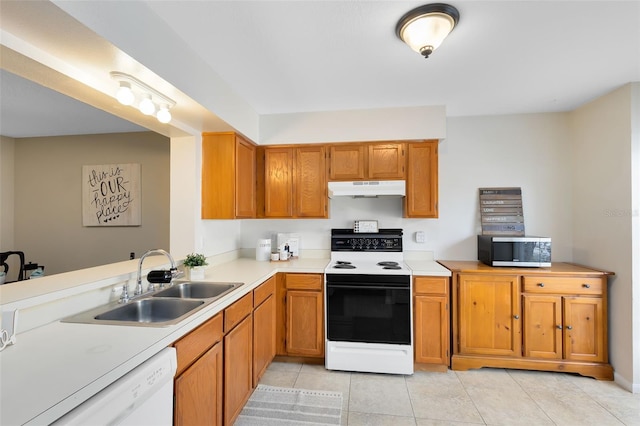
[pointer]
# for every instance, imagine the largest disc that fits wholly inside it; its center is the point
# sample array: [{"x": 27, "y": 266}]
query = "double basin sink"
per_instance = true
[{"x": 161, "y": 308}]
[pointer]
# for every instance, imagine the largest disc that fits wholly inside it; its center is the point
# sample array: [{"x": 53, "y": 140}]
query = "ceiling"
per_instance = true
[
  {"x": 504, "y": 57},
  {"x": 28, "y": 109}
]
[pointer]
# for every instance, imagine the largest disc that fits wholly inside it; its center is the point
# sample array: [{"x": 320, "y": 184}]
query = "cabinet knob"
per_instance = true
[
  {"x": 540, "y": 284},
  {"x": 569, "y": 327},
  {"x": 586, "y": 285},
  {"x": 516, "y": 316},
  {"x": 559, "y": 327}
]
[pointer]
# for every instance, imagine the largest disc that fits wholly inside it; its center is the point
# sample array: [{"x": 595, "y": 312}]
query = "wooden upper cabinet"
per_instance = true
[
  {"x": 422, "y": 180},
  {"x": 293, "y": 182},
  {"x": 228, "y": 176},
  {"x": 310, "y": 185},
  {"x": 245, "y": 179},
  {"x": 385, "y": 161},
  {"x": 347, "y": 162},
  {"x": 367, "y": 161},
  {"x": 278, "y": 182}
]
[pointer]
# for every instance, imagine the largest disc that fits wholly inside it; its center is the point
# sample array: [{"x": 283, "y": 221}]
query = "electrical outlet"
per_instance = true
[{"x": 420, "y": 237}]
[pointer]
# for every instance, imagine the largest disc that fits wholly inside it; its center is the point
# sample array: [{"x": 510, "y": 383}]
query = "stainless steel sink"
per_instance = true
[
  {"x": 146, "y": 312},
  {"x": 197, "y": 290},
  {"x": 150, "y": 310},
  {"x": 162, "y": 308}
]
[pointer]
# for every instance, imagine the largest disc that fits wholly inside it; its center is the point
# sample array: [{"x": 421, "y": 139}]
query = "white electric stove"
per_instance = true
[{"x": 368, "y": 315}]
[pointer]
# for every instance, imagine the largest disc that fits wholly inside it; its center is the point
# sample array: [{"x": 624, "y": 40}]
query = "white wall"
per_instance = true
[
  {"x": 7, "y": 153},
  {"x": 48, "y": 202},
  {"x": 189, "y": 233},
  {"x": 635, "y": 229},
  {"x": 531, "y": 151},
  {"x": 426, "y": 122},
  {"x": 604, "y": 205}
]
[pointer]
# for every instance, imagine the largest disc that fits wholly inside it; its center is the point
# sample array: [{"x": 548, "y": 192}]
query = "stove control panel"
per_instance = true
[{"x": 385, "y": 240}]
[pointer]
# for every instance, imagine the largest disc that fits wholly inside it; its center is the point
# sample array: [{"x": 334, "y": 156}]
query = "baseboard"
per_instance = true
[{"x": 625, "y": 384}]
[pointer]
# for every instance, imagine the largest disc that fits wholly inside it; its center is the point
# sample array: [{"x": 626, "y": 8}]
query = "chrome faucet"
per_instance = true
[
  {"x": 173, "y": 269},
  {"x": 124, "y": 298}
]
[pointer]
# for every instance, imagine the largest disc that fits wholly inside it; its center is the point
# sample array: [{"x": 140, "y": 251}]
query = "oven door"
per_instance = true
[{"x": 369, "y": 308}]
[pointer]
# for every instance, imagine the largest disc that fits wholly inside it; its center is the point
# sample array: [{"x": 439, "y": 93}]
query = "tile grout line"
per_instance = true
[
  {"x": 530, "y": 396},
  {"x": 484, "y": 421},
  {"x": 413, "y": 411}
]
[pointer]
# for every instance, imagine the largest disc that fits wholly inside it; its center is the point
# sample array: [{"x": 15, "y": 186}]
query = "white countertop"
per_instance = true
[{"x": 55, "y": 367}]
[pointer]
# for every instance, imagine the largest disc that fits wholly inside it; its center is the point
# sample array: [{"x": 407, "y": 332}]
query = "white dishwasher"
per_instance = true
[{"x": 143, "y": 396}]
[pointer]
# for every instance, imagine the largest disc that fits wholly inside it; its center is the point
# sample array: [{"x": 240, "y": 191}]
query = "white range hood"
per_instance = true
[{"x": 373, "y": 188}]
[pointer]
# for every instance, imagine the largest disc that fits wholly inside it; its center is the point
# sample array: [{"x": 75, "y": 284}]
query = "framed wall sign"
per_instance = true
[{"x": 111, "y": 195}]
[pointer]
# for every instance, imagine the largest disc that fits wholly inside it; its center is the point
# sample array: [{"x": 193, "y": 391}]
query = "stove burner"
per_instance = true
[
  {"x": 389, "y": 265},
  {"x": 344, "y": 265},
  {"x": 343, "y": 262}
]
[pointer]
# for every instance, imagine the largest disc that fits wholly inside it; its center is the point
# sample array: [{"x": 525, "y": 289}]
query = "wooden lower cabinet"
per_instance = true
[
  {"x": 300, "y": 311},
  {"x": 264, "y": 328},
  {"x": 198, "y": 391},
  {"x": 304, "y": 323},
  {"x": 431, "y": 320},
  {"x": 238, "y": 357},
  {"x": 550, "y": 319},
  {"x": 198, "y": 383},
  {"x": 221, "y": 361},
  {"x": 489, "y": 314},
  {"x": 565, "y": 319}
]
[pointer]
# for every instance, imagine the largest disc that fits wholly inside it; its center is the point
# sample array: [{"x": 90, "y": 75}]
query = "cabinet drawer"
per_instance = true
[
  {"x": 430, "y": 285},
  {"x": 190, "y": 347},
  {"x": 265, "y": 290},
  {"x": 564, "y": 285},
  {"x": 237, "y": 312},
  {"x": 303, "y": 281}
]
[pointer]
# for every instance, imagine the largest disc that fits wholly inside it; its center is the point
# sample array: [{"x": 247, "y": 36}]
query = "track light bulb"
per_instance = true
[
  {"x": 125, "y": 95},
  {"x": 147, "y": 106},
  {"x": 163, "y": 115}
]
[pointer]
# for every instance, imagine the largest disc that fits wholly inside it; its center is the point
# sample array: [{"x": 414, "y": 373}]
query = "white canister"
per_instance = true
[{"x": 263, "y": 250}]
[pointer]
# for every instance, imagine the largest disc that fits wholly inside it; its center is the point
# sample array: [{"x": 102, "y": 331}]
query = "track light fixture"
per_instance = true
[
  {"x": 425, "y": 27},
  {"x": 149, "y": 99}
]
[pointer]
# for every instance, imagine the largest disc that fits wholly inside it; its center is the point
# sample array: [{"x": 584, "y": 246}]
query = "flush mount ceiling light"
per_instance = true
[
  {"x": 150, "y": 100},
  {"x": 425, "y": 27}
]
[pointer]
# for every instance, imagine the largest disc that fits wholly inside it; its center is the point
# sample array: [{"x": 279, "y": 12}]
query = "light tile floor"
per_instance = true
[{"x": 483, "y": 396}]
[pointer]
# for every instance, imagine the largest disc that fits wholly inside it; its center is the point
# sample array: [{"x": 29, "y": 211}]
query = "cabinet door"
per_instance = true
[
  {"x": 304, "y": 323},
  {"x": 489, "y": 315},
  {"x": 385, "y": 161},
  {"x": 198, "y": 391},
  {"x": 422, "y": 180},
  {"x": 238, "y": 377},
  {"x": 542, "y": 326},
  {"x": 310, "y": 182},
  {"x": 584, "y": 329},
  {"x": 245, "y": 186},
  {"x": 347, "y": 162},
  {"x": 431, "y": 330},
  {"x": 228, "y": 176},
  {"x": 278, "y": 184},
  {"x": 218, "y": 174},
  {"x": 264, "y": 337}
]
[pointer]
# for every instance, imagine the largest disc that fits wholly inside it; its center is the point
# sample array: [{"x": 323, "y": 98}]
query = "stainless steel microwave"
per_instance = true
[{"x": 514, "y": 251}]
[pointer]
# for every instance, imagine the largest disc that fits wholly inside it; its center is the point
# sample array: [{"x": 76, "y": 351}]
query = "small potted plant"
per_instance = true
[{"x": 195, "y": 263}]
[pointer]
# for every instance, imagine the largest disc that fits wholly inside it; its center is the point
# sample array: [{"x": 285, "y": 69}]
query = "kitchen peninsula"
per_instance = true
[{"x": 56, "y": 366}]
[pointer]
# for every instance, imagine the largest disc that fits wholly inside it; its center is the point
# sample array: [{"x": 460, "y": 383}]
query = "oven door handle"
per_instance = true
[{"x": 367, "y": 287}]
